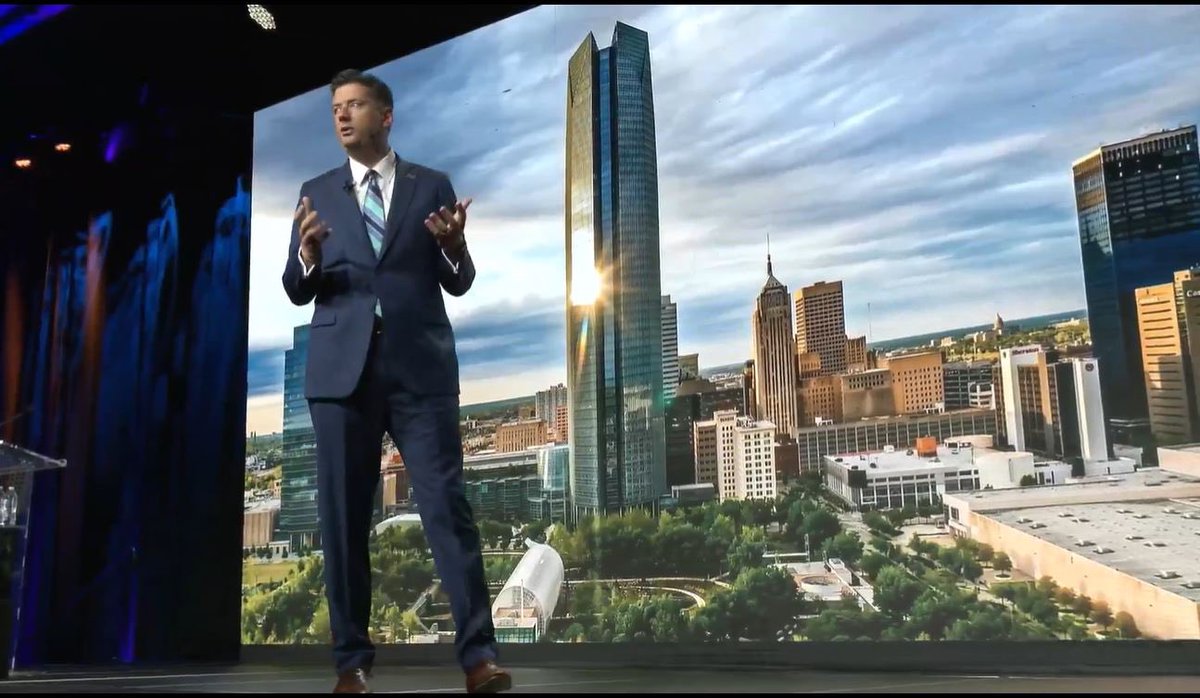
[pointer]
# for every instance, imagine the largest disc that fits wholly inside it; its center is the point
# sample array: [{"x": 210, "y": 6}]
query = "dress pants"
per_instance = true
[{"x": 425, "y": 430}]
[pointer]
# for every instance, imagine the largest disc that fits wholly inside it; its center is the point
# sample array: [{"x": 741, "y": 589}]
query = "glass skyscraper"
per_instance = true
[
  {"x": 298, "y": 496},
  {"x": 1139, "y": 222},
  {"x": 614, "y": 314}
]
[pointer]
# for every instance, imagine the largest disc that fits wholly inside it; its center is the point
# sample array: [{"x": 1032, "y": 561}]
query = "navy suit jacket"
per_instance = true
[{"x": 407, "y": 279}]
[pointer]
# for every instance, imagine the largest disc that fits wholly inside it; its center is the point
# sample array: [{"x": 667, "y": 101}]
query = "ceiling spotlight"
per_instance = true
[
  {"x": 263, "y": 16},
  {"x": 23, "y": 163},
  {"x": 63, "y": 147}
]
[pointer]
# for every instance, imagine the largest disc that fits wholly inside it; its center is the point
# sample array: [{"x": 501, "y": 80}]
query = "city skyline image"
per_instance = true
[
  {"x": 836, "y": 144},
  {"x": 834, "y": 334}
]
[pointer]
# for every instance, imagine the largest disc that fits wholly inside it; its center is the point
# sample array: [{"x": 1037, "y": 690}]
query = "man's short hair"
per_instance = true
[{"x": 379, "y": 90}]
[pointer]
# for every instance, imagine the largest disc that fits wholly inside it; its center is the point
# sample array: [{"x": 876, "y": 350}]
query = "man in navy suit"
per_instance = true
[{"x": 374, "y": 243}]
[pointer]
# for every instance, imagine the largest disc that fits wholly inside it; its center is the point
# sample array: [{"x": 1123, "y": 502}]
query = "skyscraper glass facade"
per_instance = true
[{"x": 618, "y": 442}]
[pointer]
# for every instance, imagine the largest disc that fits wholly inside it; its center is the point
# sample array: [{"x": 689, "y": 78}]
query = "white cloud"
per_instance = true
[{"x": 906, "y": 152}]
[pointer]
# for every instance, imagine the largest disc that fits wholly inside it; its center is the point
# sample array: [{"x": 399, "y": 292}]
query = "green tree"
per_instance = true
[
  {"x": 745, "y": 555},
  {"x": 872, "y": 563},
  {"x": 1047, "y": 585},
  {"x": 1101, "y": 614},
  {"x": 845, "y": 546},
  {"x": 1002, "y": 563},
  {"x": 985, "y": 553},
  {"x": 934, "y": 613},
  {"x": 1065, "y": 596},
  {"x": 845, "y": 624},
  {"x": 1082, "y": 605},
  {"x": 895, "y": 590},
  {"x": 1028, "y": 481},
  {"x": 1126, "y": 626},
  {"x": 820, "y": 526},
  {"x": 575, "y": 633},
  {"x": 878, "y": 523},
  {"x": 683, "y": 549}
]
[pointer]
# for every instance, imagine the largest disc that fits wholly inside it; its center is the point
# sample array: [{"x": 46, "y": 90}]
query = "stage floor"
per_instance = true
[{"x": 267, "y": 679}]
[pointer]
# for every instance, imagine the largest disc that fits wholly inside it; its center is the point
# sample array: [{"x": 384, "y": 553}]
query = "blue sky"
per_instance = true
[{"x": 920, "y": 154}]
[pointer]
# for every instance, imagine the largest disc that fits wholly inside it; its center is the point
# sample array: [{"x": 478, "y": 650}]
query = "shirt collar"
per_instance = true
[{"x": 385, "y": 167}]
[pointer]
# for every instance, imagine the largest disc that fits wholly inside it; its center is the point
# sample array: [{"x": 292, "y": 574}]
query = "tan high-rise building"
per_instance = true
[
  {"x": 1165, "y": 361},
  {"x": 774, "y": 356},
  {"x": 917, "y": 384},
  {"x": 561, "y": 424},
  {"x": 821, "y": 324},
  {"x": 808, "y": 364},
  {"x": 856, "y": 354},
  {"x": 518, "y": 436},
  {"x": 867, "y": 394},
  {"x": 820, "y": 400}
]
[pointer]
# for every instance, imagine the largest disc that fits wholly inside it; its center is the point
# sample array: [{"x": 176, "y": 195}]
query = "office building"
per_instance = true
[
  {"x": 547, "y": 402},
  {"x": 966, "y": 383},
  {"x": 1167, "y": 358},
  {"x": 670, "y": 347},
  {"x": 298, "y": 522},
  {"x": 1123, "y": 540},
  {"x": 774, "y": 356},
  {"x": 917, "y": 383},
  {"x": 893, "y": 478},
  {"x": 867, "y": 394},
  {"x": 689, "y": 367},
  {"x": 1053, "y": 406},
  {"x": 1138, "y": 205},
  {"x": 856, "y": 354},
  {"x": 820, "y": 400},
  {"x": 518, "y": 436},
  {"x": 614, "y": 313},
  {"x": 815, "y": 442},
  {"x": 737, "y": 456},
  {"x": 821, "y": 325}
]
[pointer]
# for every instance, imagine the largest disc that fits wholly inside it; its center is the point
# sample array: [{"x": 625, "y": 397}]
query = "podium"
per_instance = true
[{"x": 17, "y": 469}]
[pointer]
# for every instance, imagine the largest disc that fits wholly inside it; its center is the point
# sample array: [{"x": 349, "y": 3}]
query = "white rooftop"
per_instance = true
[
  {"x": 907, "y": 459},
  {"x": 1143, "y": 539},
  {"x": 1147, "y": 484}
]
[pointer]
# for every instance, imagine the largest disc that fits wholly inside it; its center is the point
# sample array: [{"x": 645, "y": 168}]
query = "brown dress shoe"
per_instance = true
[
  {"x": 486, "y": 677},
  {"x": 353, "y": 681}
]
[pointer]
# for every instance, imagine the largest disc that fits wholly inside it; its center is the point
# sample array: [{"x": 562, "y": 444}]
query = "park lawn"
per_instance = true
[{"x": 255, "y": 573}]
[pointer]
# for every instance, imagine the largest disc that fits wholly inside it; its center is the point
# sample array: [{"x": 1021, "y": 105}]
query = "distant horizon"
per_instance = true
[
  {"x": 938, "y": 202},
  {"x": 709, "y": 368}
]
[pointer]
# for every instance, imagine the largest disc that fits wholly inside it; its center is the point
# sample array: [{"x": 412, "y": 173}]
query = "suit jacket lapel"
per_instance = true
[
  {"x": 403, "y": 188},
  {"x": 346, "y": 214}
]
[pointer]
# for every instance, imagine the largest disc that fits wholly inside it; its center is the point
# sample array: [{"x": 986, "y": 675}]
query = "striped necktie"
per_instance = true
[
  {"x": 374, "y": 218},
  {"x": 373, "y": 211}
]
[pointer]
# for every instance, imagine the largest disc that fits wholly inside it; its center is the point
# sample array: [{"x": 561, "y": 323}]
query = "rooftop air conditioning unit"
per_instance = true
[
  {"x": 1037, "y": 525},
  {"x": 1167, "y": 574},
  {"x": 1133, "y": 536},
  {"x": 1083, "y": 543},
  {"x": 1024, "y": 520},
  {"x": 1102, "y": 550}
]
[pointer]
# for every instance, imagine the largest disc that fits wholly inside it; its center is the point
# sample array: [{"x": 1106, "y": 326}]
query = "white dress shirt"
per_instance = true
[{"x": 387, "y": 180}]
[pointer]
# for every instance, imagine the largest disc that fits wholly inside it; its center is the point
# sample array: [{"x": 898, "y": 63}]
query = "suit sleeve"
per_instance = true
[
  {"x": 456, "y": 281},
  {"x": 301, "y": 288}
]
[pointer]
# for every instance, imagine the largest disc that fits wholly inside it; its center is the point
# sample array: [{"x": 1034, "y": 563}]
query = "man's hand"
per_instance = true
[
  {"x": 313, "y": 232},
  {"x": 447, "y": 228}
]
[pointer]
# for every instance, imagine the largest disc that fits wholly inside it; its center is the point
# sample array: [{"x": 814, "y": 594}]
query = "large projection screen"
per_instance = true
[{"x": 790, "y": 324}]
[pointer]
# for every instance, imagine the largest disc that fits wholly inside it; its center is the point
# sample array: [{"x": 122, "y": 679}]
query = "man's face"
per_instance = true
[{"x": 358, "y": 119}]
